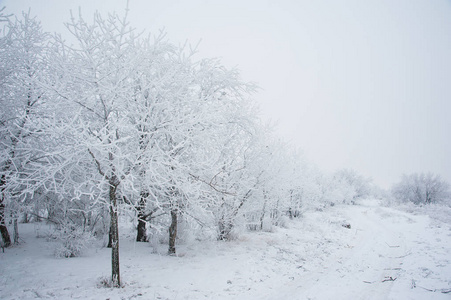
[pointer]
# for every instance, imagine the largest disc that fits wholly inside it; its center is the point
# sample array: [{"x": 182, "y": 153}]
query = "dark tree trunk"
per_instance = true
[
  {"x": 172, "y": 231},
  {"x": 224, "y": 224},
  {"x": 5, "y": 236},
  {"x": 3, "y": 229},
  {"x": 16, "y": 232},
  {"x": 26, "y": 218},
  {"x": 142, "y": 222},
  {"x": 110, "y": 236},
  {"x": 114, "y": 234}
]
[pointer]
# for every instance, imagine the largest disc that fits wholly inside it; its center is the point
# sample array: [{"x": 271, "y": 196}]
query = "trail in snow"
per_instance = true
[
  {"x": 386, "y": 254},
  {"x": 393, "y": 255},
  {"x": 364, "y": 268}
]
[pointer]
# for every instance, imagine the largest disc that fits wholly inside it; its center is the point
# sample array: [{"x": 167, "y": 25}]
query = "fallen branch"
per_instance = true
[
  {"x": 389, "y": 278},
  {"x": 392, "y": 246},
  {"x": 443, "y": 291}
]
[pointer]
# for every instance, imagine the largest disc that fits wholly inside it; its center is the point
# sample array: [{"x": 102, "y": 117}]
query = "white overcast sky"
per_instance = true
[{"x": 355, "y": 84}]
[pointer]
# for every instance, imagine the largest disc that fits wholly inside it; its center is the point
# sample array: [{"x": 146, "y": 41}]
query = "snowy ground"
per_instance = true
[{"x": 386, "y": 254}]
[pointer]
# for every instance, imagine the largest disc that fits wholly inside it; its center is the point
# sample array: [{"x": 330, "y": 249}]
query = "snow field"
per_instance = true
[{"x": 386, "y": 254}]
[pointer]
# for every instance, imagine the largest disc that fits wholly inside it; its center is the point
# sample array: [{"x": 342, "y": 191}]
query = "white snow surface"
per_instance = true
[{"x": 387, "y": 253}]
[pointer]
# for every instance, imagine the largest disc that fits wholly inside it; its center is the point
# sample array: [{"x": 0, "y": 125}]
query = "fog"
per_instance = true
[{"x": 361, "y": 85}]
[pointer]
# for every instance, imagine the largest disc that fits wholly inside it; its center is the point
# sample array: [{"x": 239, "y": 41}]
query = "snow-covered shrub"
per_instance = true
[
  {"x": 268, "y": 224},
  {"x": 238, "y": 227},
  {"x": 283, "y": 221},
  {"x": 422, "y": 189},
  {"x": 106, "y": 282},
  {"x": 349, "y": 186},
  {"x": 71, "y": 241}
]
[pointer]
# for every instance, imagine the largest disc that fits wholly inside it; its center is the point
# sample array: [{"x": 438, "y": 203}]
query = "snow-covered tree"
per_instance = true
[
  {"x": 135, "y": 121},
  {"x": 421, "y": 188},
  {"x": 22, "y": 99},
  {"x": 121, "y": 120},
  {"x": 277, "y": 178},
  {"x": 93, "y": 91},
  {"x": 349, "y": 186},
  {"x": 211, "y": 133}
]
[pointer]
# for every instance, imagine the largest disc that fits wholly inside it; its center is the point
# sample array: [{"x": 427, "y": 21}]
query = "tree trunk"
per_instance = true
[
  {"x": 274, "y": 213},
  {"x": 16, "y": 232},
  {"x": 114, "y": 233},
  {"x": 26, "y": 218},
  {"x": 172, "y": 231},
  {"x": 142, "y": 232},
  {"x": 227, "y": 222},
  {"x": 262, "y": 217},
  {"x": 222, "y": 231},
  {"x": 225, "y": 227},
  {"x": 3, "y": 229},
  {"x": 110, "y": 235}
]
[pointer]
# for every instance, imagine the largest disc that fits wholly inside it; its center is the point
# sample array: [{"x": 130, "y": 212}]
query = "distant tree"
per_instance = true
[
  {"x": 421, "y": 188},
  {"x": 349, "y": 186}
]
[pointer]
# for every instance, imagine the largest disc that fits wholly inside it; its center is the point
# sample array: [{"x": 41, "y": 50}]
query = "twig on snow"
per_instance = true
[
  {"x": 402, "y": 256},
  {"x": 443, "y": 291},
  {"x": 392, "y": 246},
  {"x": 389, "y": 278}
]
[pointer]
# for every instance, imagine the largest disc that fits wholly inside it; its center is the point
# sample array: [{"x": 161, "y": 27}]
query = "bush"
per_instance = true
[
  {"x": 71, "y": 241},
  {"x": 421, "y": 189}
]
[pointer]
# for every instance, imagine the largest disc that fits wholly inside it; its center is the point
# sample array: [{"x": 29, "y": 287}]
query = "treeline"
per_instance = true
[{"x": 117, "y": 120}]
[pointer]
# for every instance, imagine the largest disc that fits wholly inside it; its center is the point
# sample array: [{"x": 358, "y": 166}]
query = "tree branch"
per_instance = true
[{"x": 99, "y": 168}]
